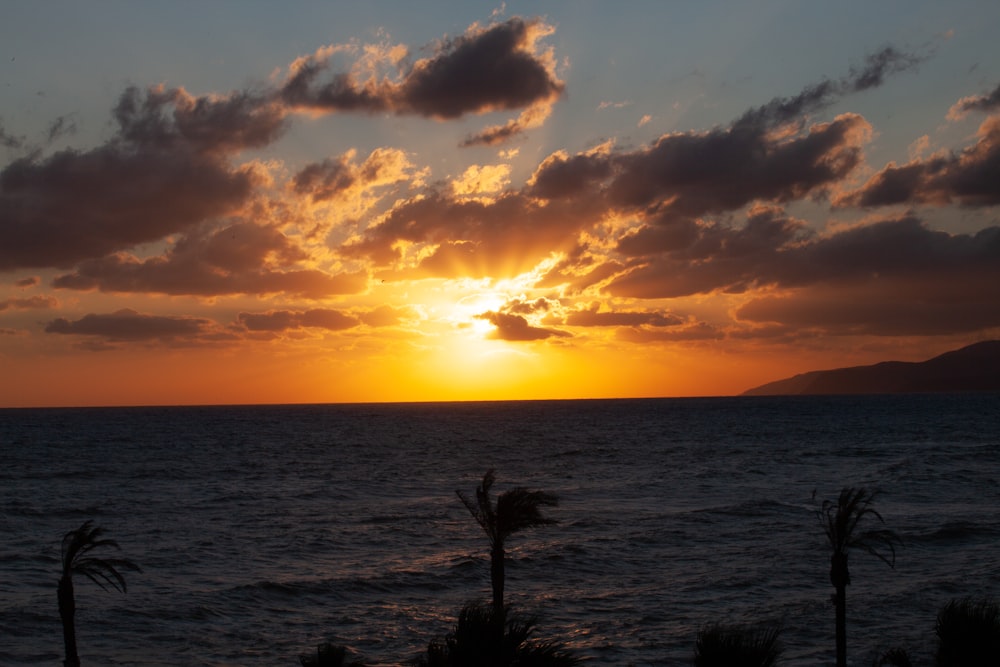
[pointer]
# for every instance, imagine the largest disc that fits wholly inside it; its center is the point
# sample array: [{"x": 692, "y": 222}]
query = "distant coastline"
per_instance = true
[{"x": 975, "y": 367}]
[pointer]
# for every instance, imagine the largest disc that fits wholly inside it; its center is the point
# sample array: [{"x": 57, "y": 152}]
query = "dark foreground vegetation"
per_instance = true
[{"x": 492, "y": 634}]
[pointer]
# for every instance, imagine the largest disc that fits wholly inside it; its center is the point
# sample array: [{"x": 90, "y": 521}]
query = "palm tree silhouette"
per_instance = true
[
  {"x": 515, "y": 510},
  {"x": 76, "y": 559},
  {"x": 840, "y": 523}
]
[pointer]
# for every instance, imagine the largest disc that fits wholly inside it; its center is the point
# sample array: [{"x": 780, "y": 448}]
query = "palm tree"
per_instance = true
[
  {"x": 738, "y": 646},
  {"x": 76, "y": 559},
  {"x": 515, "y": 510},
  {"x": 968, "y": 633},
  {"x": 840, "y": 523}
]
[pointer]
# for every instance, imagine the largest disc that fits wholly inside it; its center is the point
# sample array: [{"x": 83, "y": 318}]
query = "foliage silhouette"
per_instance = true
[
  {"x": 77, "y": 546},
  {"x": 737, "y": 646},
  {"x": 968, "y": 633},
  {"x": 474, "y": 642},
  {"x": 841, "y": 521},
  {"x": 894, "y": 657},
  {"x": 516, "y": 509},
  {"x": 329, "y": 655}
]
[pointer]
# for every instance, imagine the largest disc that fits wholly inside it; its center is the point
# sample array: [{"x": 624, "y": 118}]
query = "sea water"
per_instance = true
[{"x": 263, "y": 531}]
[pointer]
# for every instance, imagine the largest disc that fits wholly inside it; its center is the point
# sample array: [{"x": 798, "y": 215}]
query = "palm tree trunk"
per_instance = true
[
  {"x": 840, "y": 577},
  {"x": 840, "y": 601},
  {"x": 497, "y": 577},
  {"x": 67, "y": 612}
]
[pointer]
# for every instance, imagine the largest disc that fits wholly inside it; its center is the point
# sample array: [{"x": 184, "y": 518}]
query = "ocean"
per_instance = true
[{"x": 263, "y": 531}]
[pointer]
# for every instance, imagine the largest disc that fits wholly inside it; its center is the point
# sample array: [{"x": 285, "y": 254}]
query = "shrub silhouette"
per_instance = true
[
  {"x": 329, "y": 655},
  {"x": 77, "y": 546},
  {"x": 474, "y": 642},
  {"x": 841, "y": 521},
  {"x": 894, "y": 657},
  {"x": 737, "y": 646},
  {"x": 968, "y": 633}
]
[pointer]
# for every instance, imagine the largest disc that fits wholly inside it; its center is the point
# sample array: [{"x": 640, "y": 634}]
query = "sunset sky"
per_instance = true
[{"x": 258, "y": 202}]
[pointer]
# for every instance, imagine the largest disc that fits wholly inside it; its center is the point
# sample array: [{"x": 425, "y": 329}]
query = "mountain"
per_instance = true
[{"x": 972, "y": 368}]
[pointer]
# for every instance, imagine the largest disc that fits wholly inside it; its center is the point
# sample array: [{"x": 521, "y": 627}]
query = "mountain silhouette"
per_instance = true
[{"x": 972, "y": 368}]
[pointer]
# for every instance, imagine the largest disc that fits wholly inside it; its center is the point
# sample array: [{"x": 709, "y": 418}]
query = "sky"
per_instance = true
[{"x": 254, "y": 202}]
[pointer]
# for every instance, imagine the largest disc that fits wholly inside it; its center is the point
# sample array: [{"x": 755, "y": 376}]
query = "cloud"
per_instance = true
[
  {"x": 343, "y": 178},
  {"x": 970, "y": 177},
  {"x": 768, "y": 155},
  {"x": 9, "y": 140},
  {"x": 900, "y": 262},
  {"x": 723, "y": 170},
  {"x": 482, "y": 179},
  {"x": 498, "y": 68},
  {"x": 27, "y": 282},
  {"x": 593, "y": 317},
  {"x": 511, "y": 327},
  {"x": 458, "y": 236},
  {"x": 988, "y": 102},
  {"x": 31, "y": 303},
  {"x": 171, "y": 118},
  {"x": 703, "y": 257},
  {"x": 242, "y": 258},
  {"x": 386, "y": 316},
  {"x": 892, "y": 306},
  {"x": 283, "y": 320},
  {"x": 127, "y": 325},
  {"x": 889, "y": 60},
  {"x": 165, "y": 171}
]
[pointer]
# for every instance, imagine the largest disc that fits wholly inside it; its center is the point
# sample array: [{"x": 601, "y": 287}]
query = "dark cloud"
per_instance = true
[
  {"x": 9, "y": 140},
  {"x": 171, "y": 119},
  {"x": 32, "y": 303},
  {"x": 242, "y": 258},
  {"x": 690, "y": 332},
  {"x": 969, "y": 178},
  {"x": 487, "y": 70},
  {"x": 60, "y": 127},
  {"x": 164, "y": 172},
  {"x": 130, "y": 326},
  {"x": 560, "y": 176},
  {"x": 904, "y": 262},
  {"x": 524, "y": 307},
  {"x": 592, "y": 317},
  {"x": 988, "y": 102},
  {"x": 324, "y": 180},
  {"x": 283, "y": 320},
  {"x": 27, "y": 282},
  {"x": 878, "y": 66},
  {"x": 491, "y": 69},
  {"x": 815, "y": 97},
  {"x": 516, "y": 328},
  {"x": 708, "y": 256},
  {"x": 893, "y": 306},
  {"x": 723, "y": 170},
  {"x": 334, "y": 179}
]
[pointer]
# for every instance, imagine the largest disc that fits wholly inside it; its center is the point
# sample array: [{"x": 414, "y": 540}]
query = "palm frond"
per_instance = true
[
  {"x": 520, "y": 508},
  {"x": 482, "y": 509},
  {"x": 841, "y": 519},
  {"x": 76, "y": 547}
]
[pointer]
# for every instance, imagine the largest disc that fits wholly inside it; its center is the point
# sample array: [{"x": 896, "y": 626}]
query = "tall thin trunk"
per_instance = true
[
  {"x": 67, "y": 612},
  {"x": 841, "y": 603},
  {"x": 497, "y": 576},
  {"x": 840, "y": 577}
]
